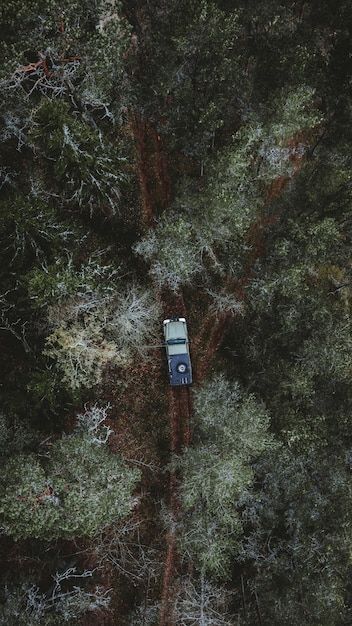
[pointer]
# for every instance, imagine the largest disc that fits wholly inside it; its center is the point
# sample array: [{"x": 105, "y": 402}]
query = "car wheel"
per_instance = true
[{"x": 181, "y": 368}]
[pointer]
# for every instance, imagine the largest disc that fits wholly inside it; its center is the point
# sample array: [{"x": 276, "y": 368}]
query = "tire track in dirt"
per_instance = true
[
  {"x": 180, "y": 410},
  {"x": 212, "y": 332},
  {"x": 155, "y": 191}
]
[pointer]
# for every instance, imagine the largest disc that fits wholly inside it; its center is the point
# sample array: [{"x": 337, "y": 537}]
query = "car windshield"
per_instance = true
[
  {"x": 179, "y": 348},
  {"x": 176, "y": 337},
  {"x": 173, "y": 342}
]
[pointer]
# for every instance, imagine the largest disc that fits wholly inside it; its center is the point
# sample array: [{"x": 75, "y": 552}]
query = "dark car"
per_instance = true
[{"x": 177, "y": 351}]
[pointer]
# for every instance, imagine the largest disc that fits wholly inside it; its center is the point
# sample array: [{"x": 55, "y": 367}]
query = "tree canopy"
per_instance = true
[{"x": 163, "y": 159}]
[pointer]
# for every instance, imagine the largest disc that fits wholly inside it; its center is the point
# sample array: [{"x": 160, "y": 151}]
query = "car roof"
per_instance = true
[{"x": 176, "y": 329}]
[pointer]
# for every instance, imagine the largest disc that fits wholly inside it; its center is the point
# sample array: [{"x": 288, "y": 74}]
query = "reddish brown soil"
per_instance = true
[
  {"x": 152, "y": 169},
  {"x": 139, "y": 130},
  {"x": 180, "y": 405},
  {"x": 212, "y": 332},
  {"x": 180, "y": 410}
]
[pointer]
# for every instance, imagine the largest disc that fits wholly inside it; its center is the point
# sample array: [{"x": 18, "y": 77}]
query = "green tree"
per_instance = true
[
  {"x": 79, "y": 488},
  {"x": 298, "y": 538},
  {"x": 231, "y": 429},
  {"x": 93, "y": 318},
  {"x": 205, "y": 233},
  {"x": 69, "y": 599}
]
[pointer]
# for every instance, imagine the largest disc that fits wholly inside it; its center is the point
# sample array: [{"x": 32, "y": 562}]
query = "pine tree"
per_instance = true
[{"x": 78, "y": 489}]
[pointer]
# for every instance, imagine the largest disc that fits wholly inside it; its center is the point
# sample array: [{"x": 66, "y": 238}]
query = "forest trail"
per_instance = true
[
  {"x": 155, "y": 192},
  {"x": 152, "y": 169},
  {"x": 180, "y": 412},
  {"x": 161, "y": 160}
]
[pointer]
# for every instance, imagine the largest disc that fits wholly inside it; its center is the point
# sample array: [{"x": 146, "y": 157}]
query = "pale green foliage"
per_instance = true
[
  {"x": 171, "y": 249},
  {"x": 104, "y": 66},
  {"x": 206, "y": 230},
  {"x": 263, "y": 151},
  {"x": 225, "y": 302},
  {"x": 62, "y": 281},
  {"x": 298, "y": 533},
  {"x": 82, "y": 353},
  {"x": 303, "y": 315},
  {"x": 30, "y": 229},
  {"x": 26, "y": 505},
  {"x": 15, "y": 435},
  {"x": 85, "y": 166},
  {"x": 286, "y": 136},
  {"x": 202, "y": 603},
  {"x": 27, "y": 605},
  {"x": 81, "y": 487},
  {"x": 297, "y": 113},
  {"x": 298, "y": 261},
  {"x": 108, "y": 330},
  {"x": 230, "y": 430},
  {"x": 94, "y": 319},
  {"x": 324, "y": 362},
  {"x": 186, "y": 244}
]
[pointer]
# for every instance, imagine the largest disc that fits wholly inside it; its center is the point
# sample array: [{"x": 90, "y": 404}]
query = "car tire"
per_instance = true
[{"x": 181, "y": 368}]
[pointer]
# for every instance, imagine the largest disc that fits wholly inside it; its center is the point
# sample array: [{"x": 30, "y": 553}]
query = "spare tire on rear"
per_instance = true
[{"x": 181, "y": 368}]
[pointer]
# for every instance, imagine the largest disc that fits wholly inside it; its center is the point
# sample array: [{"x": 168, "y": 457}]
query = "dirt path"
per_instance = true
[
  {"x": 180, "y": 411},
  {"x": 155, "y": 191},
  {"x": 152, "y": 169}
]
